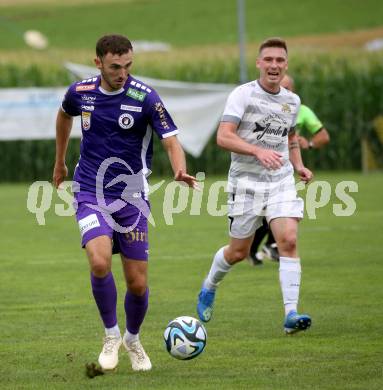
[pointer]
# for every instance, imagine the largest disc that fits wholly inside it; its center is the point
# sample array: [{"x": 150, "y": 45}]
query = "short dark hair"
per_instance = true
[
  {"x": 113, "y": 43},
  {"x": 273, "y": 42}
]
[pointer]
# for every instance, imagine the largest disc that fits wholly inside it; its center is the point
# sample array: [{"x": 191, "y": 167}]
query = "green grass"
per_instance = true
[
  {"x": 50, "y": 326},
  {"x": 180, "y": 23}
]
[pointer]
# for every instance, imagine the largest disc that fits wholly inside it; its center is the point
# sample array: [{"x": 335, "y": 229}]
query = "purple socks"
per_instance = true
[
  {"x": 135, "y": 309},
  {"x": 105, "y": 295}
]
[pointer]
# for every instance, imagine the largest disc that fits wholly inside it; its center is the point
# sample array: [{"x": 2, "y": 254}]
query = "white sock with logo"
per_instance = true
[
  {"x": 219, "y": 268},
  {"x": 290, "y": 280},
  {"x": 115, "y": 331}
]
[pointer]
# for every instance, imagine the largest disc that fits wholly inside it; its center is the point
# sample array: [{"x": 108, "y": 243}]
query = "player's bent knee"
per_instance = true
[
  {"x": 288, "y": 243},
  {"x": 237, "y": 255},
  {"x": 137, "y": 288},
  {"x": 100, "y": 266}
]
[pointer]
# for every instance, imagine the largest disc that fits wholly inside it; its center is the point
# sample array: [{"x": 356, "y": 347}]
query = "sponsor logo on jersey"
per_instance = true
[
  {"x": 141, "y": 86},
  {"x": 130, "y": 108},
  {"x": 286, "y": 108},
  {"x": 126, "y": 121},
  {"x": 88, "y": 223},
  {"x": 137, "y": 236},
  {"x": 85, "y": 120},
  {"x": 271, "y": 129},
  {"x": 159, "y": 107},
  {"x": 136, "y": 94},
  {"x": 87, "y": 108},
  {"x": 88, "y": 98},
  {"x": 88, "y": 87}
]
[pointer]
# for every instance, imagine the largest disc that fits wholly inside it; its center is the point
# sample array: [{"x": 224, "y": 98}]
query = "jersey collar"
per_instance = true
[
  {"x": 105, "y": 92},
  {"x": 122, "y": 89},
  {"x": 271, "y": 93}
]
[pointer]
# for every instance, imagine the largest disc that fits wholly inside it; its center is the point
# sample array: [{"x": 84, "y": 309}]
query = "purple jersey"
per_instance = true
[{"x": 117, "y": 130}]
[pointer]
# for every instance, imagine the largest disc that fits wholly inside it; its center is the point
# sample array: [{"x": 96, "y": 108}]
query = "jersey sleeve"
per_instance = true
[
  {"x": 298, "y": 107},
  {"x": 68, "y": 104},
  {"x": 297, "y": 101},
  {"x": 310, "y": 121},
  {"x": 159, "y": 118},
  {"x": 235, "y": 106}
]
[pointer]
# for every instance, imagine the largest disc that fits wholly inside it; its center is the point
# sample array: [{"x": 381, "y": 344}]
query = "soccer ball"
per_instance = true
[{"x": 185, "y": 338}]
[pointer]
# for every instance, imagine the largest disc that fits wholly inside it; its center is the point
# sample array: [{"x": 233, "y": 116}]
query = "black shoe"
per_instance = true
[
  {"x": 255, "y": 258},
  {"x": 271, "y": 251}
]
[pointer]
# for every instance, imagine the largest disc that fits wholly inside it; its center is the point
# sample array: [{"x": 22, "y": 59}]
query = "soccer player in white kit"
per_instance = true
[{"x": 257, "y": 127}]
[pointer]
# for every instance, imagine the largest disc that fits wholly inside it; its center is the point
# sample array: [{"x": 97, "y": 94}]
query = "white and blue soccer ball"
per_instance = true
[{"x": 185, "y": 338}]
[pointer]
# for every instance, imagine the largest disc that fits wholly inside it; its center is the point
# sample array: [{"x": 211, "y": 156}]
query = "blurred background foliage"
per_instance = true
[{"x": 334, "y": 74}]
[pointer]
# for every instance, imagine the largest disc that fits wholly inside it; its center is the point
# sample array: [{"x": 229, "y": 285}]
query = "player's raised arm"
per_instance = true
[
  {"x": 177, "y": 160},
  {"x": 63, "y": 128}
]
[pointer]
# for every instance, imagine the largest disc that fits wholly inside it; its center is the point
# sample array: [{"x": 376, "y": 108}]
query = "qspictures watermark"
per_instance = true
[{"x": 177, "y": 199}]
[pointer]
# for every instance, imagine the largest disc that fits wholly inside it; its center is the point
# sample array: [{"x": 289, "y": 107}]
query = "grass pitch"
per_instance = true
[{"x": 50, "y": 327}]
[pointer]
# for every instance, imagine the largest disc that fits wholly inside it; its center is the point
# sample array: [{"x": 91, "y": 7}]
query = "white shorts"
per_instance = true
[{"x": 247, "y": 207}]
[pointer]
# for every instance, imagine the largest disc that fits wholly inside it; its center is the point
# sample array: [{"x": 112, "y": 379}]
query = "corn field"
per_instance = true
[{"x": 344, "y": 92}]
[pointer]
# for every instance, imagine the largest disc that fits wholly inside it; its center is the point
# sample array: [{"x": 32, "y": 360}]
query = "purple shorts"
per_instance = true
[{"x": 127, "y": 227}]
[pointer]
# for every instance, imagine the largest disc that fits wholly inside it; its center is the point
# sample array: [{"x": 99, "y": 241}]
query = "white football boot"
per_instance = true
[
  {"x": 108, "y": 357},
  {"x": 138, "y": 357}
]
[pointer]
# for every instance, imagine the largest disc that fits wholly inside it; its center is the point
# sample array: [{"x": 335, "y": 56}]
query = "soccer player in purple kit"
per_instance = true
[{"x": 118, "y": 116}]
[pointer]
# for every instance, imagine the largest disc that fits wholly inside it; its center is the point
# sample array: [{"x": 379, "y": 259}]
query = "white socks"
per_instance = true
[
  {"x": 289, "y": 277},
  {"x": 130, "y": 337},
  {"x": 219, "y": 268},
  {"x": 115, "y": 331},
  {"x": 290, "y": 280}
]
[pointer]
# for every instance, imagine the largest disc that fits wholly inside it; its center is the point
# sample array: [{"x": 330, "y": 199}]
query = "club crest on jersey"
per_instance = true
[
  {"x": 85, "y": 120},
  {"x": 126, "y": 121},
  {"x": 286, "y": 108}
]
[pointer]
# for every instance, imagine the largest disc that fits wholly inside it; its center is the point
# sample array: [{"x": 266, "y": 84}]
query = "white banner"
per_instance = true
[{"x": 30, "y": 113}]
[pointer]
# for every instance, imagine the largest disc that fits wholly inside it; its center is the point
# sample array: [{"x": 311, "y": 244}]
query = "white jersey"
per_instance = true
[{"x": 264, "y": 119}]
